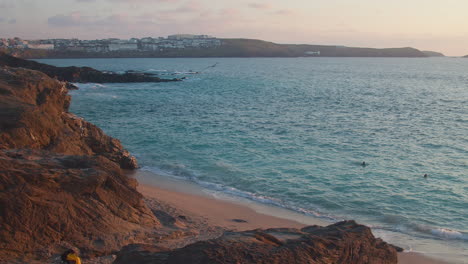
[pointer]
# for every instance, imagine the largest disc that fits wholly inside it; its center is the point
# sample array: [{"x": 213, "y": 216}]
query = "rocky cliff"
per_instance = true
[
  {"x": 344, "y": 242},
  {"x": 61, "y": 178}
]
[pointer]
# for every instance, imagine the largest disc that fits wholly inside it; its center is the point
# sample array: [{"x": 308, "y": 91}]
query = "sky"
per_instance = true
[{"x": 437, "y": 25}]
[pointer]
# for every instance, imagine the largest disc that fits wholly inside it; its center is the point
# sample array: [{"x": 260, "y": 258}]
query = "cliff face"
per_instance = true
[
  {"x": 61, "y": 178},
  {"x": 34, "y": 114},
  {"x": 344, "y": 242}
]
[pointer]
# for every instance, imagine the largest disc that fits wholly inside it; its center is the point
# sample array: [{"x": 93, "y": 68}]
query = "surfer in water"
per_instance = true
[{"x": 363, "y": 164}]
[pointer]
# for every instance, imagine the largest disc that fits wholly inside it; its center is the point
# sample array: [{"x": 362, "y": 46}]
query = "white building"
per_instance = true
[
  {"x": 313, "y": 53},
  {"x": 188, "y": 36},
  {"x": 122, "y": 45},
  {"x": 41, "y": 46}
]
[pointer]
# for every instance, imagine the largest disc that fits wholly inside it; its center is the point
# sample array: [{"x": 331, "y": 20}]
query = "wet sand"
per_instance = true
[{"x": 231, "y": 213}]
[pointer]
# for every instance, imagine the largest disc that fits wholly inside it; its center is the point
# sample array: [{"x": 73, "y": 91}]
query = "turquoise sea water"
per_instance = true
[{"x": 293, "y": 133}]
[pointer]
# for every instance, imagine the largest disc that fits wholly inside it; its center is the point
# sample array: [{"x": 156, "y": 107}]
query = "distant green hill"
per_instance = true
[
  {"x": 433, "y": 53},
  {"x": 251, "y": 47},
  {"x": 239, "y": 48}
]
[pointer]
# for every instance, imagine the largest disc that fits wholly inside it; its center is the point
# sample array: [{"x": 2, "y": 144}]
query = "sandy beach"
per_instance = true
[{"x": 230, "y": 213}]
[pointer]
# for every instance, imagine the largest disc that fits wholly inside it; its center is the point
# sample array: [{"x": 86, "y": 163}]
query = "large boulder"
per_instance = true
[
  {"x": 344, "y": 242},
  {"x": 49, "y": 200}
]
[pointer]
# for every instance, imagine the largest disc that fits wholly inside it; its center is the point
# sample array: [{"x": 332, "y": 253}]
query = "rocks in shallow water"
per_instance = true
[
  {"x": 79, "y": 74},
  {"x": 239, "y": 220},
  {"x": 344, "y": 242}
]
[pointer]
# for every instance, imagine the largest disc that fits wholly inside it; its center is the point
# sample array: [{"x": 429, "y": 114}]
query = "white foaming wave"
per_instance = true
[
  {"x": 449, "y": 234},
  {"x": 441, "y": 233},
  {"x": 168, "y": 173},
  {"x": 155, "y": 70},
  {"x": 89, "y": 85},
  {"x": 243, "y": 194}
]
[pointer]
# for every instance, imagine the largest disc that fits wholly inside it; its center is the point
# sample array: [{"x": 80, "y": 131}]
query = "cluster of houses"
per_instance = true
[{"x": 180, "y": 41}]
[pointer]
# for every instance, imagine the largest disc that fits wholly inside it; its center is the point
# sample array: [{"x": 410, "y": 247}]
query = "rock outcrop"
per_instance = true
[
  {"x": 344, "y": 242},
  {"x": 34, "y": 114},
  {"x": 61, "y": 178},
  {"x": 79, "y": 74}
]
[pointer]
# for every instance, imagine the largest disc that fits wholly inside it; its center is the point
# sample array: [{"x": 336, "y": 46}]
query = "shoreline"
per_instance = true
[{"x": 233, "y": 213}]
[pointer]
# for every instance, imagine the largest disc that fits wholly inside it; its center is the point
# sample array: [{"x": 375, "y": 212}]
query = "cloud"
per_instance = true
[
  {"x": 7, "y": 4},
  {"x": 76, "y": 19},
  {"x": 141, "y": 1},
  {"x": 9, "y": 21},
  {"x": 284, "y": 12},
  {"x": 71, "y": 20},
  {"x": 262, "y": 6},
  {"x": 229, "y": 12}
]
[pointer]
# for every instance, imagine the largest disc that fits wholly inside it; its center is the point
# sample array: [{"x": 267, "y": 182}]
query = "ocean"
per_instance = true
[{"x": 293, "y": 133}]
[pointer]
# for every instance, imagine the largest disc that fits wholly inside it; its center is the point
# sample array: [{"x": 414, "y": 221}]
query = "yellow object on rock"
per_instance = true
[{"x": 74, "y": 257}]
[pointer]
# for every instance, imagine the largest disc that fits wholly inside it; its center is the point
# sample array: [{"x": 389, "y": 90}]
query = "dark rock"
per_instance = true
[
  {"x": 344, "y": 242},
  {"x": 140, "y": 253},
  {"x": 239, "y": 220},
  {"x": 79, "y": 74}
]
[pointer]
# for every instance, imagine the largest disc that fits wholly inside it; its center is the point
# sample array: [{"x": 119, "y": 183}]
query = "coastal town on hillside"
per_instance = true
[{"x": 178, "y": 41}]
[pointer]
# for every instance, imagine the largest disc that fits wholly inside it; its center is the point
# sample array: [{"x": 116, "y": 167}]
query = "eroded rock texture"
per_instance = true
[
  {"x": 344, "y": 242},
  {"x": 61, "y": 178}
]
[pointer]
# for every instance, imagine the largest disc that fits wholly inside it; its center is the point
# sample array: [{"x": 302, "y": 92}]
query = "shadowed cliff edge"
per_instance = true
[{"x": 62, "y": 185}]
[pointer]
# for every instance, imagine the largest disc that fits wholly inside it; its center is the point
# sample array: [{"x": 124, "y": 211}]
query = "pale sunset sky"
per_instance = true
[{"x": 438, "y": 25}]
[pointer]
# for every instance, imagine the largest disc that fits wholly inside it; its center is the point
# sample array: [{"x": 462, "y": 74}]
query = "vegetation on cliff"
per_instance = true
[
  {"x": 433, "y": 53},
  {"x": 237, "y": 48}
]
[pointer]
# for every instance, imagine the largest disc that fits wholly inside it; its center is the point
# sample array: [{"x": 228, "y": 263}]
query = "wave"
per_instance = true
[
  {"x": 155, "y": 70},
  {"x": 85, "y": 86},
  {"x": 449, "y": 234},
  {"x": 239, "y": 193},
  {"x": 397, "y": 223},
  {"x": 424, "y": 231}
]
